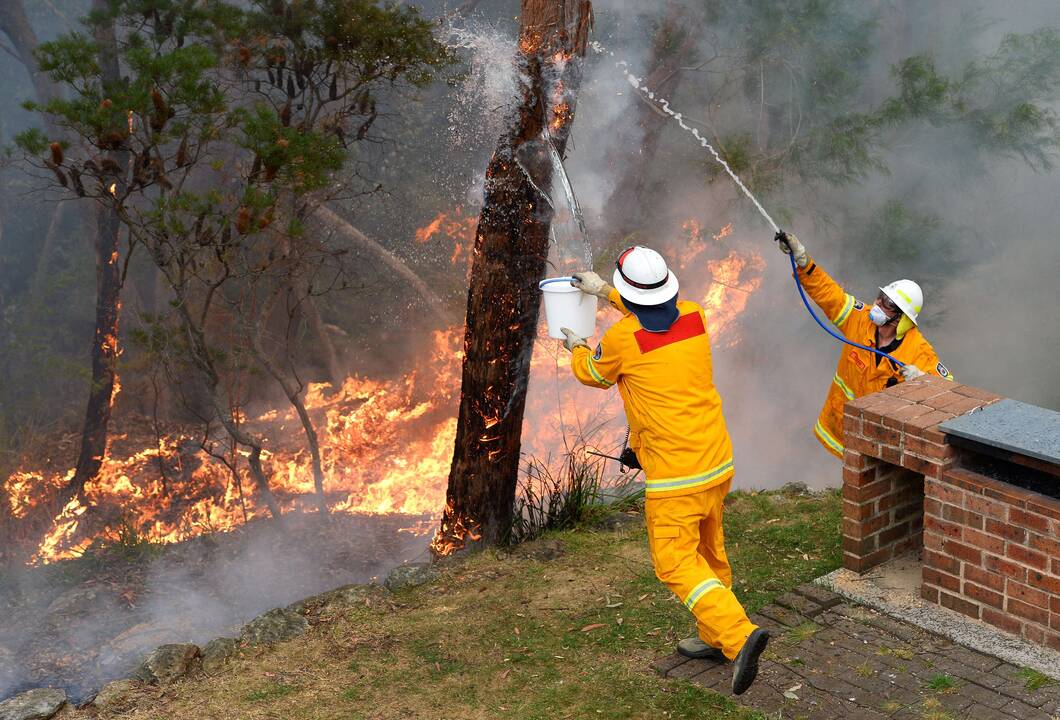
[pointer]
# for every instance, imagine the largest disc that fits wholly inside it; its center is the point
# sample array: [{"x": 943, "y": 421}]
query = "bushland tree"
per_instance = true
[{"x": 238, "y": 122}]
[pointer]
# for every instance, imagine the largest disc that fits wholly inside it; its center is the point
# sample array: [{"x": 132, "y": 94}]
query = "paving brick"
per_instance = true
[
  {"x": 783, "y": 616},
  {"x": 799, "y": 603},
  {"x": 823, "y": 597},
  {"x": 667, "y": 663}
]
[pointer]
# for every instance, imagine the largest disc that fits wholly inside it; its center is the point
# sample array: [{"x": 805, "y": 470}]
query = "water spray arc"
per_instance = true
[{"x": 780, "y": 236}]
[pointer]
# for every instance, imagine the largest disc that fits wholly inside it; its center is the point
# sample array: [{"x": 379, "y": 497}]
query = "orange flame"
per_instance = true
[{"x": 386, "y": 443}]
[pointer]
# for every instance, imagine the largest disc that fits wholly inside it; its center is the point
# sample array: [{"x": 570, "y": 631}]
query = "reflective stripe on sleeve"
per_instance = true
[
  {"x": 596, "y": 375},
  {"x": 841, "y": 318},
  {"x": 690, "y": 481},
  {"x": 700, "y": 590},
  {"x": 843, "y": 386},
  {"x": 827, "y": 438}
]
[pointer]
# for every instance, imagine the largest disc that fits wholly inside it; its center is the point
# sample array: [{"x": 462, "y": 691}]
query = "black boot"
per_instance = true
[
  {"x": 745, "y": 666},
  {"x": 696, "y": 649}
]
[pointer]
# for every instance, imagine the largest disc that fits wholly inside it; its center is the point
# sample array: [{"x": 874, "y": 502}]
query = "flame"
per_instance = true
[
  {"x": 455, "y": 227},
  {"x": 113, "y": 189},
  {"x": 386, "y": 442}
]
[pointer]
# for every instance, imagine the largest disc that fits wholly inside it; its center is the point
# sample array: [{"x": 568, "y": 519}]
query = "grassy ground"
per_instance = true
[{"x": 507, "y": 635}]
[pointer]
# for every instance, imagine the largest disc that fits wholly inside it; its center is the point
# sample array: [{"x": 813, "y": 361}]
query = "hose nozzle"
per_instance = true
[{"x": 782, "y": 237}]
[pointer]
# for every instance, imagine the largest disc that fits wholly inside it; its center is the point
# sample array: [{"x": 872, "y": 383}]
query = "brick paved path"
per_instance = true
[{"x": 851, "y": 662}]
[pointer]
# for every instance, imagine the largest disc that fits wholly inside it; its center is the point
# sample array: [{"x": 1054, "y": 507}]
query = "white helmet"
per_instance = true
[
  {"x": 641, "y": 276},
  {"x": 907, "y": 295}
]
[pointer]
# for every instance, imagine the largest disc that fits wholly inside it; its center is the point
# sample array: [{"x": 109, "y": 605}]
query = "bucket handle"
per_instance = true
[{"x": 543, "y": 283}]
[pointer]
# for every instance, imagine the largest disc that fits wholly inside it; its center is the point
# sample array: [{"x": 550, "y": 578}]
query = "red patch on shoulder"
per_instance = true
[
  {"x": 687, "y": 326},
  {"x": 857, "y": 360}
]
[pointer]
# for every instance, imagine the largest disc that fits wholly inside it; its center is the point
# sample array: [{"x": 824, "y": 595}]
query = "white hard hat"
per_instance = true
[
  {"x": 907, "y": 295},
  {"x": 641, "y": 276}
]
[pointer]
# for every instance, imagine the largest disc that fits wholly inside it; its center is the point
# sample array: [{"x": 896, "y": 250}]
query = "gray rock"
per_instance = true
[
  {"x": 39, "y": 704},
  {"x": 216, "y": 653},
  {"x": 73, "y": 603},
  {"x": 118, "y": 695},
  {"x": 411, "y": 575},
  {"x": 167, "y": 663},
  {"x": 276, "y": 625},
  {"x": 335, "y": 600}
]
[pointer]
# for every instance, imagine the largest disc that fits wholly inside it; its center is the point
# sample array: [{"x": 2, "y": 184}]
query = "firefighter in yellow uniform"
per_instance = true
[
  {"x": 890, "y": 326},
  {"x": 659, "y": 356}
]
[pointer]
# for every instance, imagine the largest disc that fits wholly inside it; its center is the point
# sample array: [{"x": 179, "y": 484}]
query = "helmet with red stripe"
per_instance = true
[{"x": 641, "y": 276}]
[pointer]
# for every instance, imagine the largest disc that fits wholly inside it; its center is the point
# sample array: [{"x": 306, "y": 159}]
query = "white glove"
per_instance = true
[
  {"x": 591, "y": 283},
  {"x": 790, "y": 245},
  {"x": 573, "y": 340},
  {"x": 911, "y": 372}
]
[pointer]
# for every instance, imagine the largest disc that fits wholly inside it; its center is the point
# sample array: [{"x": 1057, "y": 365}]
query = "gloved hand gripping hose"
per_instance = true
[{"x": 782, "y": 236}]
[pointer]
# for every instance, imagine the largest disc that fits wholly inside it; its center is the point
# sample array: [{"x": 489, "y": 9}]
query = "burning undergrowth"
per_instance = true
[
  {"x": 172, "y": 544},
  {"x": 386, "y": 443}
]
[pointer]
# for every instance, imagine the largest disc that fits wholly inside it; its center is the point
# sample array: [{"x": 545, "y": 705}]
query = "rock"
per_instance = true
[
  {"x": 410, "y": 575},
  {"x": 167, "y": 663},
  {"x": 39, "y": 704},
  {"x": 216, "y": 653},
  {"x": 276, "y": 625},
  {"x": 135, "y": 642},
  {"x": 73, "y": 603},
  {"x": 539, "y": 550},
  {"x": 335, "y": 600},
  {"x": 118, "y": 695},
  {"x": 795, "y": 488}
]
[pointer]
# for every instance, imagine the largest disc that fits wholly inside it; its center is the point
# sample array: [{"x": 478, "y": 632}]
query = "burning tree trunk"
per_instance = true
[
  {"x": 635, "y": 153},
  {"x": 105, "y": 349},
  {"x": 511, "y": 247}
]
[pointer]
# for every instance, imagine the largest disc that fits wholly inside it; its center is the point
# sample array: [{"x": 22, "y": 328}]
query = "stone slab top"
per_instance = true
[{"x": 1013, "y": 426}]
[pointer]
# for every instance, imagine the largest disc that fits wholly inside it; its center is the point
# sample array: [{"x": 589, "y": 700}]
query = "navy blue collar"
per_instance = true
[{"x": 655, "y": 318}]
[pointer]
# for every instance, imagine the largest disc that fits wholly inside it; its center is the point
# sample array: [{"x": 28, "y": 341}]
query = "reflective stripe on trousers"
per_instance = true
[{"x": 687, "y": 545}]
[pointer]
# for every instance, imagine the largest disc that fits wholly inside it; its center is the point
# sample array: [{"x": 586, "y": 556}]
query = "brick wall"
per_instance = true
[
  {"x": 990, "y": 550},
  {"x": 892, "y": 444}
]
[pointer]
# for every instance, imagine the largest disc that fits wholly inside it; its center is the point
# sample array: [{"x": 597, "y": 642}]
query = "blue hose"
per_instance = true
[{"x": 830, "y": 331}]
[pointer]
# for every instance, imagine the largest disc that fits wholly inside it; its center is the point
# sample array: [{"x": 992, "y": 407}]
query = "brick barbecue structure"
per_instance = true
[{"x": 986, "y": 514}]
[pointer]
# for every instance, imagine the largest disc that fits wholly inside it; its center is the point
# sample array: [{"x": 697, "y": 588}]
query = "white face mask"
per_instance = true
[{"x": 878, "y": 316}]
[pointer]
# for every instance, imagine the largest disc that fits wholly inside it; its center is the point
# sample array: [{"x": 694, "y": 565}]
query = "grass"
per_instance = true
[
  {"x": 269, "y": 692},
  {"x": 1034, "y": 680},
  {"x": 498, "y": 635},
  {"x": 942, "y": 683}
]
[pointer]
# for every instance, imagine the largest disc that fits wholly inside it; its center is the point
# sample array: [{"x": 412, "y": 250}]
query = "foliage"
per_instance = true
[
  {"x": 548, "y": 501},
  {"x": 229, "y": 125}
]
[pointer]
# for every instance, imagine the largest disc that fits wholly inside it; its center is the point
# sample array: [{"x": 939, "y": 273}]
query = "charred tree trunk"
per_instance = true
[
  {"x": 105, "y": 349},
  {"x": 511, "y": 247},
  {"x": 673, "y": 43}
]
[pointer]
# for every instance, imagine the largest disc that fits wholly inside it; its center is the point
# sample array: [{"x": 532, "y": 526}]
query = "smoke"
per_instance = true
[{"x": 77, "y": 625}]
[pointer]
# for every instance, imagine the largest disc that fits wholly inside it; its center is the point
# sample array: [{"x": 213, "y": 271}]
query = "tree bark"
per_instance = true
[
  {"x": 511, "y": 248},
  {"x": 637, "y": 146},
  {"x": 105, "y": 349},
  {"x": 15, "y": 24}
]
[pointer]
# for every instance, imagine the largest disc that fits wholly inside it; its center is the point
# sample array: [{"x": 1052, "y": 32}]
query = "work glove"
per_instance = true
[
  {"x": 573, "y": 340},
  {"x": 911, "y": 372},
  {"x": 790, "y": 245},
  {"x": 591, "y": 283}
]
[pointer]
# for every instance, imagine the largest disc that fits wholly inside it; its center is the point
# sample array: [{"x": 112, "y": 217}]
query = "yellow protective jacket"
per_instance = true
[
  {"x": 667, "y": 387},
  {"x": 859, "y": 372}
]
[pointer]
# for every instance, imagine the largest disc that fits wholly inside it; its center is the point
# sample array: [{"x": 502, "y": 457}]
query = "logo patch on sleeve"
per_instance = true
[
  {"x": 858, "y": 305},
  {"x": 942, "y": 370},
  {"x": 599, "y": 351}
]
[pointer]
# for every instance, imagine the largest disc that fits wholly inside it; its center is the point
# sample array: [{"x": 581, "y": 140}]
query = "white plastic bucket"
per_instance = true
[{"x": 568, "y": 307}]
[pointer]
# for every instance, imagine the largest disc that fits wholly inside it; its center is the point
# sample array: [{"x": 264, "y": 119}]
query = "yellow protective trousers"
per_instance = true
[{"x": 688, "y": 550}]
